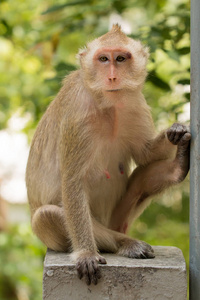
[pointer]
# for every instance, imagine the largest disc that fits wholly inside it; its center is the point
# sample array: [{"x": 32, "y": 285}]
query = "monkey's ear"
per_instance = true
[{"x": 82, "y": 52}]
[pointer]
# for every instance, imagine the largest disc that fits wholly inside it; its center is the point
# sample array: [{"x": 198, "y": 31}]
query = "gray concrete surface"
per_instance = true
[{"x": 161, "y": 278}]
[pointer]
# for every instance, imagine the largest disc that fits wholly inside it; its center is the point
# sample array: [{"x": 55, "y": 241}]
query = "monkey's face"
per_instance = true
[
  {"x": 111, "y": 66},
  {"x": 110, "y": 69}
]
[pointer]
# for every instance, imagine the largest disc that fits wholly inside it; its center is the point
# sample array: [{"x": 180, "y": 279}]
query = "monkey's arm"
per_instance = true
[
  {"x": 164, "y": 145},
  {"x": 75, "y": 153},
  {"x": 158, "y": 148},
  {"x": 153, "y": 178}
]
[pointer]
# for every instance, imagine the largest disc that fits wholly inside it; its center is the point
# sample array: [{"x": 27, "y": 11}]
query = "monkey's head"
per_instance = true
[{"x": 113, "y": 63}]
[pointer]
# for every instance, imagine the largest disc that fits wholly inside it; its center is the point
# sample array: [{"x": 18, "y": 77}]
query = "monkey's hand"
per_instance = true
[
  {"x": 179, "y": 135},
  {"x": 87, "y": 266},
  {"x": 136, "y": 249}
]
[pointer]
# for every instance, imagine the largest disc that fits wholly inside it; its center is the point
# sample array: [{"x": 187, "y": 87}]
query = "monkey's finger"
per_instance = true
[
  {"x": 80, "y": 275},
  {"x": 96, "y": 275},
  {"x": 88, "y": 279},
  {"x": 180, "y": 133},
  {"x": 176, "y": 132},
  {"x": 174, "y": 135},
  {"x": 172, "y": 131},
  {"x": 97, "y": 271},
  {"x": 178, "y": 127},
  {"x": 93, "y": 272},
  {"x": 87, "y": 274},
  {"x": 178, "y": 136},
  {"x": 170, "y": 134},
  {"x": 101, "y": 260},
  {"x": 82, "y": 270},
  {"x": 94, "y": 280},
  {"x": 79, "y": 270},
  {"x": 185, "y": 139}
]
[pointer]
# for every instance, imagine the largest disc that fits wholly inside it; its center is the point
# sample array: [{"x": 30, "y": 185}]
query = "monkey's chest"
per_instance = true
[{"x": 107, "y": 180}]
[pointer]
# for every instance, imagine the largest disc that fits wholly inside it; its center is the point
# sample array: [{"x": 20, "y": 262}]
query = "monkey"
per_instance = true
[{"x": 82, "y": 190}]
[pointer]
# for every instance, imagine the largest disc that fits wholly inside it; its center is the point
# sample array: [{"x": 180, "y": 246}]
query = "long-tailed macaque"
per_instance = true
[{"x": 82, "y": 191}]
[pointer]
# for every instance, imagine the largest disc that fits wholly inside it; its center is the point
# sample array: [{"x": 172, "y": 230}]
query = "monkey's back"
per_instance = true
[
  {"x": 43, "y": 175},
  {"x": 43, "y": 171}
]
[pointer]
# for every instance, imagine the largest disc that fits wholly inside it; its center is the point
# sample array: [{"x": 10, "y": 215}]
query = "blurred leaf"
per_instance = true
[
  {"x": 65, "y": 67},
  {"x": 152, "y": 77},
  {"x": 187, "y": 95},
  {"x": 60, "y": 7},
  {"x": 183, "y": 51},
  {"x": 184, "y": 81},
  {"x": 21, "y": 252},
  {"x": 174, "y": 55}
]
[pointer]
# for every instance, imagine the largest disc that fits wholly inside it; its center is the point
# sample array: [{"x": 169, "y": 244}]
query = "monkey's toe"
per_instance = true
[
  {"x": 136, "y": 249},
  {"x": 143, "y": 250},
  {"x": 101, "y": 260}
]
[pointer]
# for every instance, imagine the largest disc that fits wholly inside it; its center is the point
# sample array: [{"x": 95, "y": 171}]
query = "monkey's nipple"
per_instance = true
[
  {"x": 121, "y": 168},
  {"x": 107, "y": 174}
]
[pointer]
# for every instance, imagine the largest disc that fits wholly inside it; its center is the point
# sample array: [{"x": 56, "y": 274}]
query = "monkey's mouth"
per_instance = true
[{"x": 114, "y": 90}]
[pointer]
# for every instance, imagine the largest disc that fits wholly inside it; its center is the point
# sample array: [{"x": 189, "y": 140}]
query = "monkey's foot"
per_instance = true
[
  {"x": 136, "y": 249},
  {"x": 87, "y": 266}
]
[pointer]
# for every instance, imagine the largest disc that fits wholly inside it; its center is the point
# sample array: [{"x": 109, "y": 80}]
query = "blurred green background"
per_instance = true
[{"x": 38, "y": 45}]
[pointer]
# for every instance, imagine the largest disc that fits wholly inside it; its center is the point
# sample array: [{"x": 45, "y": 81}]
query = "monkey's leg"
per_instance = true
[
  {"x": 49, "y": 225},
  {"x": 153, "y": 179},
  {"x": 112, "y": 241},
  {"x": 143, "y": 183}
]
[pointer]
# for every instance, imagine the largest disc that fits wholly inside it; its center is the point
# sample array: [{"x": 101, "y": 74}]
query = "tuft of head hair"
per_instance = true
[
  {"x": 114, "y": 35},
  {"x": 111, "y": 38},
  {"x": 116, "y": 28}
]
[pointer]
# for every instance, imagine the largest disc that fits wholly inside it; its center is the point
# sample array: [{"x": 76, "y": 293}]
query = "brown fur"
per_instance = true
[{"x": 81, "y": 188}]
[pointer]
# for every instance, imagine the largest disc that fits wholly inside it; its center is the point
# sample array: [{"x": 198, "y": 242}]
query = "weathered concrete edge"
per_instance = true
[{"x": 66, "y": 260}]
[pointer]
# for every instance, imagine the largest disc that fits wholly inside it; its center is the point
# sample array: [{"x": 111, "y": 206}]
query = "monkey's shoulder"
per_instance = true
[{"x": 71, "y": 78}]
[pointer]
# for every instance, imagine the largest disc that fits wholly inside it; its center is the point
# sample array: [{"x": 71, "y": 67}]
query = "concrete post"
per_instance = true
[{"x": 161, "y": 278}]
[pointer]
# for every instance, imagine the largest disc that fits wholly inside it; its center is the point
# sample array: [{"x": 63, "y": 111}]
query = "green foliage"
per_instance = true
[{"x": 21, "y": 264}]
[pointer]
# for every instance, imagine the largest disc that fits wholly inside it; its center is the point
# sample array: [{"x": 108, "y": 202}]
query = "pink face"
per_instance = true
[{"x": 111, "y": 64}]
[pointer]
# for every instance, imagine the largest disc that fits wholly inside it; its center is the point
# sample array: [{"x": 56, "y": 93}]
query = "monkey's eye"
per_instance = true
[
  {"x": 120, "y": 58},
  {"x": 103, "y": 58}
]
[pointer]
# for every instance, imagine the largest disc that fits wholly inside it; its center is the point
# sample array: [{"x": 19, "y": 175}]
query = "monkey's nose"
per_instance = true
[{"x": 112, "y": 79}]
